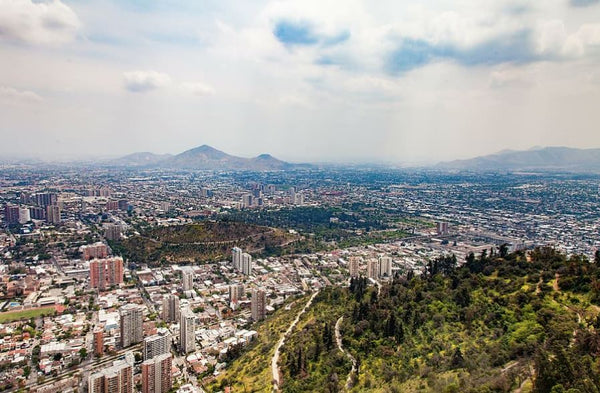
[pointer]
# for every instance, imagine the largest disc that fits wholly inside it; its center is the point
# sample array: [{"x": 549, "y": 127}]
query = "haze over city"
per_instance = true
[{"x": 302, "y": 80}]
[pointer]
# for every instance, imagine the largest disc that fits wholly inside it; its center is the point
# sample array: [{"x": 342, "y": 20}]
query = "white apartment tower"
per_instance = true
[
  {"x": 246, "y": 264},
  {"x": 187, "y": 279},
  {"x": 385, "y": 266},
  {"x": 187, "y": 331},
  {"x": 236, "y": 257},
  {"x": 156, "y": 345}
]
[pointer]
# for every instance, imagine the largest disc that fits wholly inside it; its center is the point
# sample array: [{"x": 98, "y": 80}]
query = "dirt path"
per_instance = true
[
  {"x": 338, "y": 340},
  {"x": 275, "y": 359}
]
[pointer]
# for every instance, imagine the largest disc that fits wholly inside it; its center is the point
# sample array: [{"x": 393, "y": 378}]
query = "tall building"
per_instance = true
[
  {"x": 104, "y": 273},
  {"x": 156, "y": 374},
  {"x": 247, "y": 200},
  {"x": 236, "y": 257},
  {"x": 298, "y": 199},
  {"x": 112, "y": 205},
  {"x": 93, "y": 251},
  {"x": 385, "y": 266},
  {"x": 156, "y": 345},
  {"x": 353, "y": 264},
  {"x": 187, "y": 331},
  {"x": 112, "y": 232},
  {"x": 37, "y": 213},
  {"x": 45, "y": 199},
  {"x": 236, "y": 292},
  {"x": 132, "y": 317},
  {"x": 24, "y": 216},
  {"x": 11, "y": 214},
  {"x": 123, "y": 204},
  {"x": 246, "y": 264},
  {"x": 170, "y": 308},
  {"x": 442, "y": 228},
  {"x": 373, "y": 268},
  {"x": 187, "y": 279},
  {"x": 259, "y": 304},
  {"x": 53, "y": 214},
  {"x": 115, "y": 379},
  {"x": 99, "y": 341}
]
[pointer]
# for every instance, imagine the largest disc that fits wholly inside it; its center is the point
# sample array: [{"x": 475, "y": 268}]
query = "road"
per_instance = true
[
  {"x": 275, "y": 358},
  {"x": 338, "y": 340}
]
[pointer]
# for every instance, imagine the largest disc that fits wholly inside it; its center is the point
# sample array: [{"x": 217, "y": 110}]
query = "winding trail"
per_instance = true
[
  {"x": 338, "y": 340},
  {"x": 275, "y": 358},
  {"x": 378, "y": 286}
]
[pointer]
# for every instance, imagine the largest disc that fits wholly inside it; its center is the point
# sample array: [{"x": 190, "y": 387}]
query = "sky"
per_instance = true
[{"x": 304, "y": 80}]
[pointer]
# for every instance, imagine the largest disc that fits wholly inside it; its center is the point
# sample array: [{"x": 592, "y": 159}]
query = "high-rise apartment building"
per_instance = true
[
  {"x": 45, "y": 199},
  {"x": 99, "y": 341},
  {"x": 53, "y": 214},
  {"x": 187, "y": 279},
  {"x": 37, "y": 213},
  {"x": 236, "y": 257},
  {"x": 246, "y": 264},
  {"x": 156, "y": 345},
  {"x": 353, "y": 265},
  {"x": 385, "y": 266},
  {"x": 112, "y": 232},
  {"x": 24, "y": 216},
  {"x": 442, "y": 228},
  {"x": 11, "y": 214},
  {"x": 93, "y": 251},
  {"x": 104, "y": 273},
  {"x": 132, "y": 317},
  {"x": 236, "y": 292},
  {"x": 115, "y": 379},
  {"x": 187, "y": 331},
  {"x": 170, "y": 308},
  {"x": 156, "y": 374},
  {"x": 259, "y": 304},
  {"x": 373, "y": 268}
]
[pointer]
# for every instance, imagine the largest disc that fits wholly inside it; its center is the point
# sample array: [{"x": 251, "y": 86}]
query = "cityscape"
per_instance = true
[
  {"x": 289, "y": 196},
  {"x": 88, "y": 308}
]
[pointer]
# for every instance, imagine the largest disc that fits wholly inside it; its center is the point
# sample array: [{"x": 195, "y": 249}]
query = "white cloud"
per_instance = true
[
  {"x": 510, "y": 77},
  {"x": 11, "y": 94},
  {"x": 142, "y": 81},
  {"x": 50, "y": 23},
  {"x": 197, "y": 88}
]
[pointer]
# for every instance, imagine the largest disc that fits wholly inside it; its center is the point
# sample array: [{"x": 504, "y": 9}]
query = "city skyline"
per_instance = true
[{"x": 305, "y": 81}]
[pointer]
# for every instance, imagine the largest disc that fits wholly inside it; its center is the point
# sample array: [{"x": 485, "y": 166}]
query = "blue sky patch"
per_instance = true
[{"x": 292, "y": 33}]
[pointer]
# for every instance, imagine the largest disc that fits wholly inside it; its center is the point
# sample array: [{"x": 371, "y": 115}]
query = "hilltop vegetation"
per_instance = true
[
  {"x": 499, "y": 323},
  {"x": 200, "y": 242}
]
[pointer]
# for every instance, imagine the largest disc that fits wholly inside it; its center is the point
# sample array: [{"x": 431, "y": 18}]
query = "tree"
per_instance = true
[
  {"x": 83, "y": 353},
  {"x": 503, "y": 251},
  {"x": 457, "y": 359}
]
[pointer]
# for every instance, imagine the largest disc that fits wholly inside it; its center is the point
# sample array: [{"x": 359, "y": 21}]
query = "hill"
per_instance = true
[
  {"x": 206, "y": 241},
  {"x": 546, "y": 159},
  {"x": 202, "y": 158},
  {"x": 520, "y": 322},
  {"x": 140, "y": 159}
]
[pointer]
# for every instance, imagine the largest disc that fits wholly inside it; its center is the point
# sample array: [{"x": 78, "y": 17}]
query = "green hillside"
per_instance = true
[
  {"x": 522, "y": 323},
  {"x": 200, "y": 242}
]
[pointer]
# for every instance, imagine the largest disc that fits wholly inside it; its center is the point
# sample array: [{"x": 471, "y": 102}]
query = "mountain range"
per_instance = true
[
  {"x": 544, "y": 159},
  {"x": 202, "y": 158}
]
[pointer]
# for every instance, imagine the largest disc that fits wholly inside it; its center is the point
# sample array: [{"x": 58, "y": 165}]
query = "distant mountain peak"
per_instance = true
[{"x": 556, "y": 158}]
